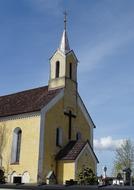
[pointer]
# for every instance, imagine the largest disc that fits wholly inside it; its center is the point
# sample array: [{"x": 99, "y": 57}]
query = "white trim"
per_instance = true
[{"x": 42, "y": 131}]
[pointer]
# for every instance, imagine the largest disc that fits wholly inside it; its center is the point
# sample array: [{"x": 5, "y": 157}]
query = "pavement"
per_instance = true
[{"x": 61, "y": 187}]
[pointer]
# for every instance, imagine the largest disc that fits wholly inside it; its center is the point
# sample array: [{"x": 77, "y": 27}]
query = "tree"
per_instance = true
[
  {"x": 124, "y": 156},
  {"x": 2, "y": 141},
  {"x": 87, "y": 177}
]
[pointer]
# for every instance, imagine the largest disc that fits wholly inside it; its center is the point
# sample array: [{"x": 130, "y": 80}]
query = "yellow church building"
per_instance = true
[{"x": 47, "y": 132}]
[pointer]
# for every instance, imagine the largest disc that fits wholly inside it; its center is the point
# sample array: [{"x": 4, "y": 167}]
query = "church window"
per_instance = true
[
  {"x": 58, "y": 137},
  {"x": 70, "y": 70},
  {"x": 57, "y": 71},
  {"x": 16, "y": 145},
  {"x": 78, "y": 136}
]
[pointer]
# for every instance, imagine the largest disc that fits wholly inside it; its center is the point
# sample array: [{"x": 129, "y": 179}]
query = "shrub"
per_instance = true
[{"x": 87, "y": 177}]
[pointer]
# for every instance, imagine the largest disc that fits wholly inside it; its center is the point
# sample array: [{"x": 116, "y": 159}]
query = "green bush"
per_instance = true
[{"x": 87, "y": 177}]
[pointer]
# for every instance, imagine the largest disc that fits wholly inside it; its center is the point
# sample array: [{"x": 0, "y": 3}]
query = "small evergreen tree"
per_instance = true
[{"x": 87, "y": 177}]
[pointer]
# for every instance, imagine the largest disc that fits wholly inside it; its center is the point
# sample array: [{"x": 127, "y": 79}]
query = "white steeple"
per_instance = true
[
  {"x": 64, "y": 44},
  {"x": 63, "y": 65}
]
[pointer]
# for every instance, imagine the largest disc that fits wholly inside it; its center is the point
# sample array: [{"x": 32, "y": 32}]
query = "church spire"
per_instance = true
[
  {"x": 64, "y": 44},
  {"x": 63, "y": 64}
]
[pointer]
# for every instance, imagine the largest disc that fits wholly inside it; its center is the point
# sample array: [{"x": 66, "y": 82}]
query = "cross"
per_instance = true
[
  {"x": 70, "y": 116},
  {"x": 65, "y": 20}
]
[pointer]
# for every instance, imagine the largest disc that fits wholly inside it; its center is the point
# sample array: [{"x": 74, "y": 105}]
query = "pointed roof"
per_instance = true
[
  {"x": 64, "y": 44},
  {"x": 73, "y": 149}
]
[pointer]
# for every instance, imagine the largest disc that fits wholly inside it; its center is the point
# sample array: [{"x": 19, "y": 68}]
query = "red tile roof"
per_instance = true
[
  {"x": 72, "y": 150},
  {"x": 26, "y": 101}
]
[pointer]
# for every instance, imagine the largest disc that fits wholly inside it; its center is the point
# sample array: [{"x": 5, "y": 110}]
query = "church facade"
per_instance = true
[{"x": 47, "y": 132}]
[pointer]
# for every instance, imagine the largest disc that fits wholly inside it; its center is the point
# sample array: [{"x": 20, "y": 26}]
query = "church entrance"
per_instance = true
[{"x": 17, "y": 179}]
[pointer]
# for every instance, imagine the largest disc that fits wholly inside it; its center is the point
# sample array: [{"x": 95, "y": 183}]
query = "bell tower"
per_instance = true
[{"x": 63, "y": 64}]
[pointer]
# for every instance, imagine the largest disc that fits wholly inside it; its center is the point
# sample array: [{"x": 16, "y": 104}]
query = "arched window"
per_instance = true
[
  {"x": 57, "y": 71},
  {"x": 78, "y": 136},
  {"x": 58, "y": 137},
  {"x": 16, "y": 144},
  {"x": 70, "y": 70}
]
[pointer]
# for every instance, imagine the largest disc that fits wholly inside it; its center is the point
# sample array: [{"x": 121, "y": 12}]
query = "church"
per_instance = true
[{"x": 46, "y": 133}]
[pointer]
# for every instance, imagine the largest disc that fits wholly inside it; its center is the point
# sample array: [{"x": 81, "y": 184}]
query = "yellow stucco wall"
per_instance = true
[
  {"x": 66, "y": 171},
  {"x": 85, "y": 160},
  {"x": 55, "y": 118},
  {"x": 30, "y": 126},
  {"x": 60, "y": 172},
  {"x": 70, "y": 98},
  {"x": 69, "y": 170},
  {"x": 70, "y": 59},
  {"x": 81, "y": 125},
  {"x": 57, "y": 82},
  {"x": 58, "y": 56},
  {"x": 64, "y": 69}
]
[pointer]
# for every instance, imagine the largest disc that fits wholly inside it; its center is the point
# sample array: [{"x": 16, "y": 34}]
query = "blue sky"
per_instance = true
[{"x": 102, "y": 35}]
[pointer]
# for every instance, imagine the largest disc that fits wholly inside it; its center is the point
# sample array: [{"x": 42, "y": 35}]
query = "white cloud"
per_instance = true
[{"x": 107, "y": 143}]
